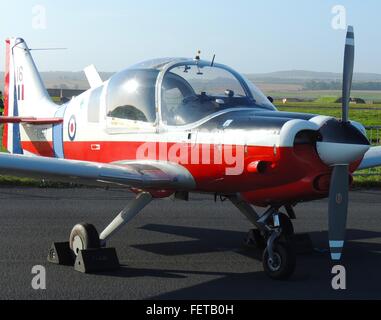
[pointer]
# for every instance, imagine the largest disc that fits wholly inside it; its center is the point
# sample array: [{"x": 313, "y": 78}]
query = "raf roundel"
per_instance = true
[{"x": 72, "y": 128}]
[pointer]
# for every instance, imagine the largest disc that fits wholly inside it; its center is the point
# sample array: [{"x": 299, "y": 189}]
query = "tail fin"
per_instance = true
[{"x": 24, "y": 91}]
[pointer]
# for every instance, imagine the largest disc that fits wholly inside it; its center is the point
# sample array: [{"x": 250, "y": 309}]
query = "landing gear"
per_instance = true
[
  {"x": 86, "y": 249},
  {"x": 84, "y": 236},
  {"x": 274, "y": 234},
  {"x": 279, "y": 257},
  {"x": 286, "y": 224},
  {"x": 258, "y": 239}
]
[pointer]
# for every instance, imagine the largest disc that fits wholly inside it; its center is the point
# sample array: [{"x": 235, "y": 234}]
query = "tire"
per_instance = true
[
  {"x": 84, "y": 236},
  {"x": 284, "y": 268}
]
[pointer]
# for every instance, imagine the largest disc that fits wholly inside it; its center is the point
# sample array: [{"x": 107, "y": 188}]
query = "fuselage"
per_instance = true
[{"x": 270, "y": 157}]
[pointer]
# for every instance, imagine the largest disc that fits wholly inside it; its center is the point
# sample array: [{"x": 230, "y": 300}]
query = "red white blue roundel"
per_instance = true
[{"x": 72, "y": 128}]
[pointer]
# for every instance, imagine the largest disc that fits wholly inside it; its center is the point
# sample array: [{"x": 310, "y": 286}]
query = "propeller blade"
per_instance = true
[
  {"x": 338, "y": 209},
  {"x": 349, "y": 60}
]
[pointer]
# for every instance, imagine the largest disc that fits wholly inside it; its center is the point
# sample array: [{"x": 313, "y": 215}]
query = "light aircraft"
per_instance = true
[{"x": 172, "y": 127}]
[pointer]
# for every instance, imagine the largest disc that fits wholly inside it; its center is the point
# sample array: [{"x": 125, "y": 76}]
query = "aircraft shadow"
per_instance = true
[
  {"x": 312, "y": 279},
  {"x": 203, "y": 240}
]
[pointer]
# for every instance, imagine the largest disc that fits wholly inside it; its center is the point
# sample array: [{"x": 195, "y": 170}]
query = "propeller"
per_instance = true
[
  {"x": 339, "y": 188},
  {"x": 349, "y": 60},
  {"x": 338, "y": 209}
]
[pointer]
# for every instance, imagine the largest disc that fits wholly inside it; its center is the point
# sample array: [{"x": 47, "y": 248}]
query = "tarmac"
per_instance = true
[{"x": 178, "y": 250}]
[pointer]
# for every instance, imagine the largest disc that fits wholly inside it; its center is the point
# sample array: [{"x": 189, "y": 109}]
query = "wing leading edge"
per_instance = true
[
  {"x": 30, "y": 120},
  {"x": 146, "y": 175},
  {"x": 372, "y": 159}
]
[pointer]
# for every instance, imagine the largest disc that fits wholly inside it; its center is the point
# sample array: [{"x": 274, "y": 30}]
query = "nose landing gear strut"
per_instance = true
[
  {"x": 279, "y": 257},
  {"x": 274, "y": 233}
]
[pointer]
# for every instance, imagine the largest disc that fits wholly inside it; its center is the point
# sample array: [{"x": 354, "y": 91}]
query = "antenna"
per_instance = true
[{"x": 47, "y": 49}]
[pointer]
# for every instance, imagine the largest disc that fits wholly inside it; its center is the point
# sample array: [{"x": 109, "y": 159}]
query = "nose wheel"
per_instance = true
[
  {"x": 281, "y": 264},
  {"x": 279, "y": 258},
  {"x": 274, "y": 234}
]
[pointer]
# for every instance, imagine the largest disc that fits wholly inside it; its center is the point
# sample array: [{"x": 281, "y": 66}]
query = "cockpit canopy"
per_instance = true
[
  {"x": 192, "y": 91},
  {"x": 131, "y": 95},
  {"x": 188, "y": 91}
]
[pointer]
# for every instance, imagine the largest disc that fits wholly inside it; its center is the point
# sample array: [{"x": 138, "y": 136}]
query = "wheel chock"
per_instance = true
[
  {"x": 97, "y": 260},
  {"x": 61, "y": 254}
]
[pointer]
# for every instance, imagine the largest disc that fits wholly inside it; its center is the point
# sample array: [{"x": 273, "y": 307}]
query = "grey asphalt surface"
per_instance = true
[{"x": 178, "y": 250}]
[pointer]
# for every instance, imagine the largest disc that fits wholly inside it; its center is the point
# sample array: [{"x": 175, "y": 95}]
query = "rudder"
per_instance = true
[{"x": 24, "y": 92}]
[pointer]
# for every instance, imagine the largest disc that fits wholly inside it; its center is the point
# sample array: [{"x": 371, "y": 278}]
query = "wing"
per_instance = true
[
  {"x": 146, "y": 175},
  {"x": 30, "y": 120},
  {"x": 372, "y": 159}
]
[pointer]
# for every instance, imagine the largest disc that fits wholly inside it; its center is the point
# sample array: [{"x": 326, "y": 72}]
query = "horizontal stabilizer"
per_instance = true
[{"x": 31, "y": 120}]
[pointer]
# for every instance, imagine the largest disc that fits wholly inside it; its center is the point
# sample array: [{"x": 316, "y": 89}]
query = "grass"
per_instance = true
[
  {"x": 316, "y": 94},
  {"x": 56, "y": 99},
  {"x": 365, "y": 114},
  {"x": 368, "y": 181},
  {"x": 325, "y": 100},
  {"x": 324, "y": 103}
]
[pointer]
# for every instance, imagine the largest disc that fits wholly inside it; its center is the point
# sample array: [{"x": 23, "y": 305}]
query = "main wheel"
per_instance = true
[
  {"x": 283, "y": 265},
  {"x": 84, "y": 236}
]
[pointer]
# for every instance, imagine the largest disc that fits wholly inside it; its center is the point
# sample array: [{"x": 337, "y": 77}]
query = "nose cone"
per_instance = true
[{"x": 341, "y": 143}]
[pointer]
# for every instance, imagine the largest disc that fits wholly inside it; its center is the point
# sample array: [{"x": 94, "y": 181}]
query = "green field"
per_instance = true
[
  {"x": 316, "y": 94},
  {"x": 367, "y": 114}
]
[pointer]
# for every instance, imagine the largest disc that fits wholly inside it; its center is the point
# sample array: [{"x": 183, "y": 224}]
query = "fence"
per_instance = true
[{"x": 374, "y": 135}]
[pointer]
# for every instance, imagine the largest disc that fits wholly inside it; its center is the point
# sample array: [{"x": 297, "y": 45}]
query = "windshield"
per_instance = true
[{"x": 192, "y": 91}]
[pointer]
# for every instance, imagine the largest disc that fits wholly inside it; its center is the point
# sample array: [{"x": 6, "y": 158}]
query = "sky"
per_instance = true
[{"x": 252, "y": 36}]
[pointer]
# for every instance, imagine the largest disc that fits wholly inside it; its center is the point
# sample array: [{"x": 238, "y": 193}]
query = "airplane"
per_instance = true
[{"x": 176, "y": 126}]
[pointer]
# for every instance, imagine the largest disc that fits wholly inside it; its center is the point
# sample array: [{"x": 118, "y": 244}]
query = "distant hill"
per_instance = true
[
  {"x": 64, "y": 79},
  {"x": 77, "y": 80}
]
